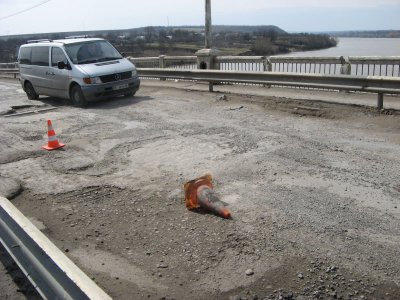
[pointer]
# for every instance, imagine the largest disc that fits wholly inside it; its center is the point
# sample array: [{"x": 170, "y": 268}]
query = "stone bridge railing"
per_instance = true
[
  {"x": 352, "y": 65},
  {"x": 336, "y": 65}
]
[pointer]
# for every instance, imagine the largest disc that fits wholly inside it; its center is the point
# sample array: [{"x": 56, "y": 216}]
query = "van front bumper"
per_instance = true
[{"x": 106, "y": 90}]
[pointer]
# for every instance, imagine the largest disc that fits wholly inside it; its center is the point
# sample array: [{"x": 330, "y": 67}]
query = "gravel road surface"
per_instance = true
[{"x": 313, "y": 187}]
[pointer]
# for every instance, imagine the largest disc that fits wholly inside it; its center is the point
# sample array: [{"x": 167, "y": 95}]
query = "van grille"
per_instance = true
[{"x": 116, "y": 77}]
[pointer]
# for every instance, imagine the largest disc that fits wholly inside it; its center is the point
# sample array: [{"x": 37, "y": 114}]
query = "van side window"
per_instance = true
[
  {"x": 57, "y": 55},
  {"x": 40, "y": 56},
  {"x": 25, "y": 56}
]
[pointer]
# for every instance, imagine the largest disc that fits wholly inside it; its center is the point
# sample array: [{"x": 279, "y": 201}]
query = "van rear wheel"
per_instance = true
[
  {"x": 77, "y": 97},
  {"x": 30, "y": 91}
]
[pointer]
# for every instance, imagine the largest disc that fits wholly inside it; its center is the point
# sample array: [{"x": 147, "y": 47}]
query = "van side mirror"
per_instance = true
[{"x": 61, "y": 65}]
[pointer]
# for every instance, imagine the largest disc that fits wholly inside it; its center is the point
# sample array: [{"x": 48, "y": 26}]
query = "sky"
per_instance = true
[{"x": 40, "y": 16}]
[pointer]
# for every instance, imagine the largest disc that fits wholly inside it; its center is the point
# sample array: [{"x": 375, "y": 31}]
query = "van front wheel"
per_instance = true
[
  {"x": 129, "y": 94},
  {"x": 30, "y": 91},
  {"x": 77, "y": 97}
]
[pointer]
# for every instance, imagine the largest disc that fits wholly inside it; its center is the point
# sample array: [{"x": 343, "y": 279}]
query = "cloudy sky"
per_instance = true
[{"x": 37, "y": 16}]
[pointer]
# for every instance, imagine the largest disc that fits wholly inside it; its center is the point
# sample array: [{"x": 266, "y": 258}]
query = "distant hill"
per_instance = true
[
  {"x": 238, "y": 28},
  {"x": 186, "y": 40},
  {"x": 216, "y": 29},
  {"x": 142, "y": 30},
  {"x": 366, "y": 34}
]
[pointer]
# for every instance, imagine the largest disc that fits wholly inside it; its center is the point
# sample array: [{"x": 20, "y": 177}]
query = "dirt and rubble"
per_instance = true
[{"x": 313, "y": 187}]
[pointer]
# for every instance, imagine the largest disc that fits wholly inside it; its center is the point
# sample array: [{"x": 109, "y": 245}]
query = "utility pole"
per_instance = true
[
  {"x": 207, "y": 58},
  {"x": 208, "y": 29}
]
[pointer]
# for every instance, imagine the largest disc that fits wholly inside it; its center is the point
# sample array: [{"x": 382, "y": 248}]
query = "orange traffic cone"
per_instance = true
[
  {"x": 53, "y": 143},
  {"x": 199, "y": 193}
]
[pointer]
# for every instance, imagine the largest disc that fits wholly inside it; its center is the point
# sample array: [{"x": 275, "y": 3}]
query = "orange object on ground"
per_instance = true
[
  {"x": 53, "y": 143},
  {"x": 199, "y": 193}
]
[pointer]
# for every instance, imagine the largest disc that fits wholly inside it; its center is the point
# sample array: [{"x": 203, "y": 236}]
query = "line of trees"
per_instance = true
[
  {"x": 153, "y": 41},
  {"x": 9, "y": 49},
  {"x": 294, "y": 42}
]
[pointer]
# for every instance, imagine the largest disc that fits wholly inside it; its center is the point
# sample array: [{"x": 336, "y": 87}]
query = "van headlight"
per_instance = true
[
  {"x": 134, "y": 73},
  {"x": 92, "y": 80}
]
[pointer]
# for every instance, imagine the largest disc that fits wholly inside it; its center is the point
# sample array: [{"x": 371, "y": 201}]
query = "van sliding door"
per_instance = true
[{"x": 40, "y": 69}]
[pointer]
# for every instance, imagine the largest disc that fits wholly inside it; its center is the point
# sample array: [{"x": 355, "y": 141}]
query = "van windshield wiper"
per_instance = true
[
  {"x": 91, "y": 61},
  {"x": 87, "y": 61},
  {"x": 108, "y": 58}
]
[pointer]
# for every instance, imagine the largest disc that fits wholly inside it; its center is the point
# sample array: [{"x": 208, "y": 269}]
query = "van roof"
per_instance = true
[
  {"x": 61, "y": 41},
  {"x": 77, "y": 40}
]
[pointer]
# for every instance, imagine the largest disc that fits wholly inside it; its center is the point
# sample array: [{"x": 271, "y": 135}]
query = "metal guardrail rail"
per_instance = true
[
  {"x": 9, "y": 69},
  {"x": 362, "y": 73},
  {"x": 53, "y": 274},
  {"x": 13, "y": 72},
  {"x": 373, "y": 84},
  {"x": 331, "y": 65}
]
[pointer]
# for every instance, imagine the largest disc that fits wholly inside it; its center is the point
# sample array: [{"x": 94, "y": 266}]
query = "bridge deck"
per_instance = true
[{"x": 312, "y": 186}]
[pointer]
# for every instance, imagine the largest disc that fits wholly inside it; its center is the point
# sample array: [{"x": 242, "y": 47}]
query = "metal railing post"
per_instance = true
[
  {"x": 161, "y": 60},
  {"x": 380, "y": 101}
]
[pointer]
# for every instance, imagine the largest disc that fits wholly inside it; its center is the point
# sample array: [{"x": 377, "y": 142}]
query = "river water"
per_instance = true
[
  {"x": 358, "y": 47},
  {"x": 346, "y": 47}
]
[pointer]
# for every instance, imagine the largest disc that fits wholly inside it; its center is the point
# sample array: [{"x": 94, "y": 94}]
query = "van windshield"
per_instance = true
[{"x": 91, "y": 52}]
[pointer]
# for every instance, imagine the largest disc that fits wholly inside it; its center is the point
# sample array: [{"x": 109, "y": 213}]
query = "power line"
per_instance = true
[{"x": 25, "y": 10}]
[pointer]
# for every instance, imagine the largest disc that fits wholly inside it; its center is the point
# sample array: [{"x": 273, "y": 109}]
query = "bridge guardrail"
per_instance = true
[
  {"x": 334, "y": 65},
  {"x": 9, "y": 69},
  {"x": 52, "y": 273},
  {"x": 282, "y": 70},
  {"x": 374, "y": 84}
]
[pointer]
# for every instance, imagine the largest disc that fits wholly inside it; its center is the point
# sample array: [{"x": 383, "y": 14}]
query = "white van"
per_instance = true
[{"x": 78, "y": 68}]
